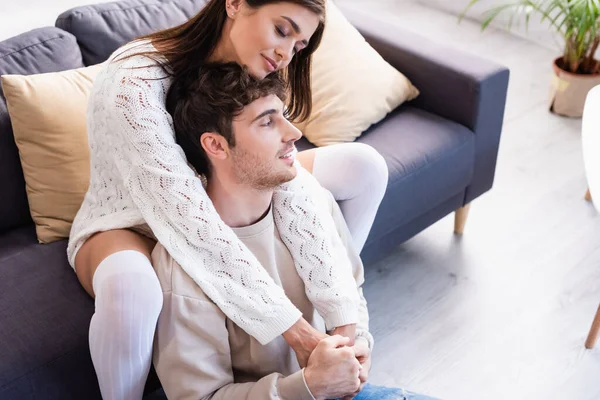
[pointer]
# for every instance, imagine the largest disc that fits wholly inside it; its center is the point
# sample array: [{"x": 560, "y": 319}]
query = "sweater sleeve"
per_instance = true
[
  {"x": 362, "y": 326},
  {"x": 307, "y": 228},
  {"x": 175, "y": 205}
]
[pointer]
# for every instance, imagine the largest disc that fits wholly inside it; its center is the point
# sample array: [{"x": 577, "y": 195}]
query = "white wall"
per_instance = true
[
  {"x": 18, "y": 16},
  {"x": 538, "y": 32}
]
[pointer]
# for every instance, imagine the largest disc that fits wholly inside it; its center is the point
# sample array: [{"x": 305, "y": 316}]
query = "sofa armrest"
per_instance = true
[{"x": 456, "y": 85}]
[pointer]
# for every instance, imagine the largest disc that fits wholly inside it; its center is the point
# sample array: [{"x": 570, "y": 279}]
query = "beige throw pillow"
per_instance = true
[
  {"x": 48, "y": 116},
  {"x": 353, "y": 87}
]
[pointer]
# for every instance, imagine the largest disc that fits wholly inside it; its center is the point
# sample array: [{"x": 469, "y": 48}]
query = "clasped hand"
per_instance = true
[{"x": 338, "y": 367}]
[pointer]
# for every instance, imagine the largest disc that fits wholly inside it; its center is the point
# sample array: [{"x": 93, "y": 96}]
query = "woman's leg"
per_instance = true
[
  {"x": 128, "y": 302},
  {"x": 115, "y": 267},
  {"x": 357, "y": 176}
]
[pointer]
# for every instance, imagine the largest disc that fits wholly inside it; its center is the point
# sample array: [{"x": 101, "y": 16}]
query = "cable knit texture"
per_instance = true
[{"x": 139, "y": 178}]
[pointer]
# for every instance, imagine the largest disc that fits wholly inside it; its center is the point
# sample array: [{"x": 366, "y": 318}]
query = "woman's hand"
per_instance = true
[
  {"x": 303, "y": 339},
  {"x": 348, "y": 331},
  {"x": 363, "y": 355}
]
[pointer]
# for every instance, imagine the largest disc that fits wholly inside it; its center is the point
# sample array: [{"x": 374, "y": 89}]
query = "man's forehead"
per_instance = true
[{"x": 260, "y": 105}]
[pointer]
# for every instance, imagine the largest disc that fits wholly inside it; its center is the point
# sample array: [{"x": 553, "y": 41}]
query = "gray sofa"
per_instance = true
[{"x": 440, "y": 149}]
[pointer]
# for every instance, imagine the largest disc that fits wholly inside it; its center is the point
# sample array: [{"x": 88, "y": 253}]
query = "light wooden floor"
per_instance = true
[{"x": 503, "y": 312}]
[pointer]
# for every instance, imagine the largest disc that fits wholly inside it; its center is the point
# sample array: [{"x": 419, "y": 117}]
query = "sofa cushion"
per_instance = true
[
  {"x": 352, "y": 86},
  {"x": 430, "y": 159},
  {"x": 48, "y": 115},
  {"x": 102, "y": 28},
  {"x": 37, "y": 51}
]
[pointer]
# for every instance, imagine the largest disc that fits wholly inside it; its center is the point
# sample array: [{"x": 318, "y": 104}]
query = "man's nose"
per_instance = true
[{"x": 292, "y": 133}]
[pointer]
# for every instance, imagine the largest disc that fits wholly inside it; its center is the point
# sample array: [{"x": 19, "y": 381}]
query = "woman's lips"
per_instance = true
[{"x": 271, "y": 65}]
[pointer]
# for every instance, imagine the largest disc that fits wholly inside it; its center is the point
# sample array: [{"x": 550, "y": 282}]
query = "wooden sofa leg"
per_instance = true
[
  {"x": 588, "y": 195},
  {"x": 593, "y": 335},
  {"x": 460, "y": 219}
]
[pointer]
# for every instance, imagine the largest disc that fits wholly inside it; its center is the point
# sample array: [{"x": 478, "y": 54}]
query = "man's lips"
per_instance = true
[
  {"x": 271, "y": 63},
  {"x": 289, "y": 154}
]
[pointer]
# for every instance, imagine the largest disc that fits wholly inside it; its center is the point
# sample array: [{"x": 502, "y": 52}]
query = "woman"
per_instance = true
[{"x": 142, "y": 190}]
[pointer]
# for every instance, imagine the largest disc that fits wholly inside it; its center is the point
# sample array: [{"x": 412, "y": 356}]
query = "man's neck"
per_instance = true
[{"x": 238, "y": 205}]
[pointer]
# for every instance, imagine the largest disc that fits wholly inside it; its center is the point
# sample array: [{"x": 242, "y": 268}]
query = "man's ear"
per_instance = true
[{"x": 214, "y": 145}]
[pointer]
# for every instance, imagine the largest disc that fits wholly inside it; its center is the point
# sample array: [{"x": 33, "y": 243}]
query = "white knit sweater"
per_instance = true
[{"x": 140, "y": 178}]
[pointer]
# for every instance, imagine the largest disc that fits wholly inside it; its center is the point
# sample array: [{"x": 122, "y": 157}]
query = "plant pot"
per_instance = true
[{"x": 568, "y": 90}]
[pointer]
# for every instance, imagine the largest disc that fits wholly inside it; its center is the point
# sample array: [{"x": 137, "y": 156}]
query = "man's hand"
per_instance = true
[
  {"x": 333, "y": 369},
  {"x": 348, "y": 331},
  {"x": 303, "y": 339}
]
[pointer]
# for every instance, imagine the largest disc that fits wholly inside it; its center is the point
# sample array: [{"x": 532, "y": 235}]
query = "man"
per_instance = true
[{"x": 234, "y": 132}]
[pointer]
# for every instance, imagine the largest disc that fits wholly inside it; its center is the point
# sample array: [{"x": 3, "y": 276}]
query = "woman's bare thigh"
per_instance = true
[{"x": 103, "y": 244}]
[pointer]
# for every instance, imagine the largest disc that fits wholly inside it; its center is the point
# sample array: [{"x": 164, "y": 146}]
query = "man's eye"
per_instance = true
[{"x": 269, "y": 122}]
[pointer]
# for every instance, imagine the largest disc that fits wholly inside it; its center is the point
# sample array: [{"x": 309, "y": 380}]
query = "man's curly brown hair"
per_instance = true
[{"x": 211, "y": 101}]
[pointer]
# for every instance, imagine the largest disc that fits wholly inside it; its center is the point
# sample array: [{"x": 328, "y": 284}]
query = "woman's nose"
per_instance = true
[{"x": 286, "y": 52}]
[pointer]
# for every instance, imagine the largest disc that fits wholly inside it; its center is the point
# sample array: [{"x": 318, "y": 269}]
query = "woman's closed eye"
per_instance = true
[
  {"x": 284, "y": 34},
  {"x": 280, "y": 31}
]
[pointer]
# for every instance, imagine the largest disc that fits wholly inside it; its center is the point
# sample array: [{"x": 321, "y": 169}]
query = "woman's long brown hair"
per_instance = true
[{"x": 188, "y": 46}]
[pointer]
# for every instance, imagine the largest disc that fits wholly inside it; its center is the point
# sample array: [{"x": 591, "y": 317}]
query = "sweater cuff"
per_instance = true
[
  {"x": 275, "y": 327},
  {"x": 344, "y": 315},
  {"x": 294, "y": 387},
  {"x": 366, "y": 336}
]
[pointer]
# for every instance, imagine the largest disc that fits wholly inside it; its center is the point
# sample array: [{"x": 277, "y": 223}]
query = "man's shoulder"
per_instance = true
[{"x": 173, "y": 277}]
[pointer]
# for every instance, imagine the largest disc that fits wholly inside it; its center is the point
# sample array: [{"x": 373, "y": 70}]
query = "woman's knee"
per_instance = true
[
  {"x": 101, "y": 246},
  {"x": 126, "y": 282},
  {"x": 368, "y": 167},
  {"x": 351, "y": 170}
]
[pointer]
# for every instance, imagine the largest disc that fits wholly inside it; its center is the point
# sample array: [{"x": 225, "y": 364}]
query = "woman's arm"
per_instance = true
[
  {"x": 361, "y": 329},
  {"x": 173, "y": 202},
  {"x": 307, "y": 228}
]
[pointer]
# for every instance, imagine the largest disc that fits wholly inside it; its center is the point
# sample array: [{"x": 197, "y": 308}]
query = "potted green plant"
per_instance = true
[{"x": 576, "y": 21}]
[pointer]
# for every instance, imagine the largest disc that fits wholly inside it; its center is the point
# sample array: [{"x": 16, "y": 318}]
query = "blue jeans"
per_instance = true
[{"x": 371, "y": 392}]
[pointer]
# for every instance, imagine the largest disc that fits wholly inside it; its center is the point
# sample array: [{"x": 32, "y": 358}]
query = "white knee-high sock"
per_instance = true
[
  {"x": 128, "y": 302},
  {"x": 357, "y": 176}
]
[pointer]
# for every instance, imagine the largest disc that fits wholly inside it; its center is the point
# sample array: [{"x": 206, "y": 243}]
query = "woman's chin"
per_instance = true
[{"x": 257, "y": 73}]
